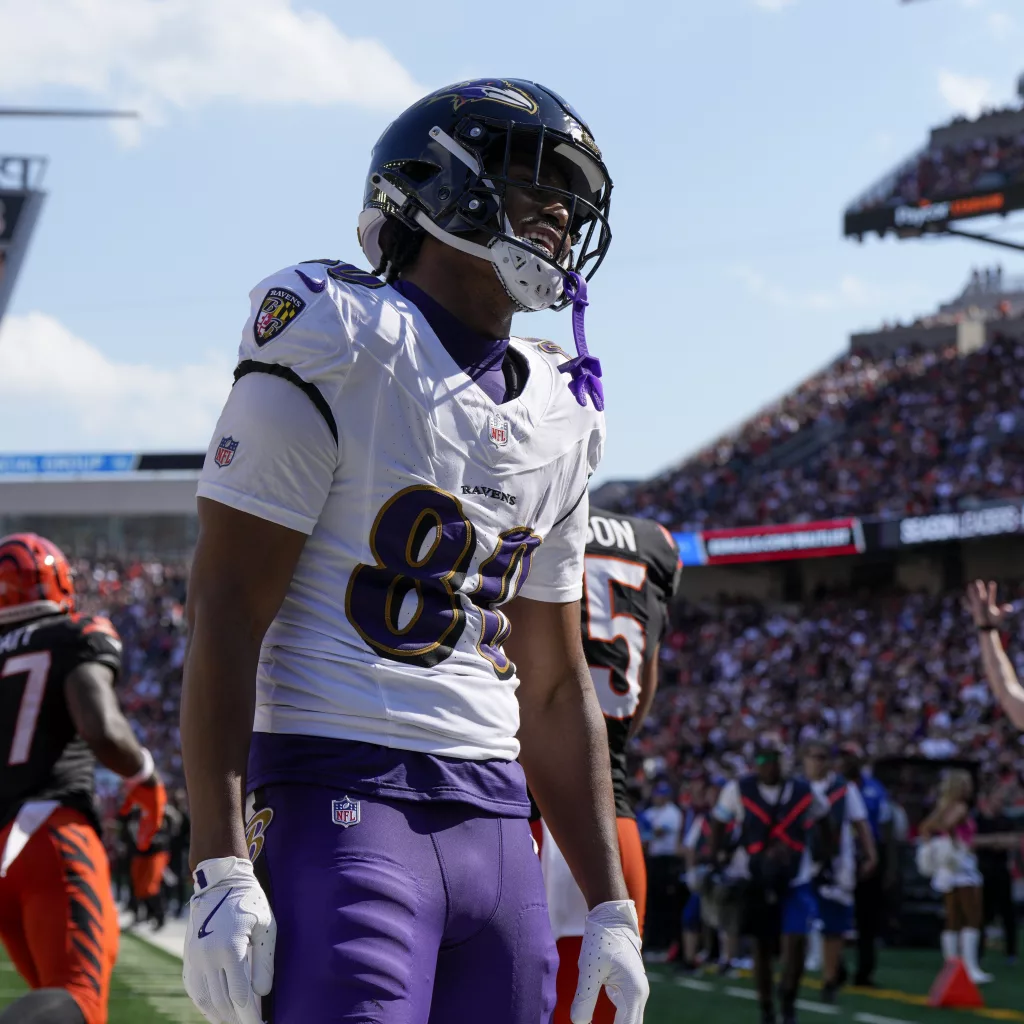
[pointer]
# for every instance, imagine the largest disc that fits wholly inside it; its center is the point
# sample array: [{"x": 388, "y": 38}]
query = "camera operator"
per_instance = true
[{"x": 775, "y": 816}]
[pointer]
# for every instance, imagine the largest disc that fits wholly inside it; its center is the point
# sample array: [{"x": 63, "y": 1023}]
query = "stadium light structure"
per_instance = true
[
  {"x": 932, "y": 215},
  {"x": 944, "y": 183},
  {"x": 21, "y": 194}
]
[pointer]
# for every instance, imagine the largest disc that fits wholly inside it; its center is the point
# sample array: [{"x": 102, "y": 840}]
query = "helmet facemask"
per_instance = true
[{"x": 475, "y": 218}]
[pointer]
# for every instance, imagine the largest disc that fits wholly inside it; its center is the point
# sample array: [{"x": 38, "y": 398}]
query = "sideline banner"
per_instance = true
[{"x": 776, "y": 543}]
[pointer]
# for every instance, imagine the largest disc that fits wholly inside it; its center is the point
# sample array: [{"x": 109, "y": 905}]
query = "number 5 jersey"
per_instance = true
[
  {"x": 427, "y": 506},
  {"x": 632, "y": 571}
]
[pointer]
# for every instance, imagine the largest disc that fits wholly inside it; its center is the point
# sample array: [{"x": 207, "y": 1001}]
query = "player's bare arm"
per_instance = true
[
  {"x": 92, "y": 704},
  {"x": 564, "y": 744},
  {"x": 93, "y": 707},
  {"x": 648, "y": 688},
  {"x": 988, "y": 615},
  {"x": 240, "y": 572}
]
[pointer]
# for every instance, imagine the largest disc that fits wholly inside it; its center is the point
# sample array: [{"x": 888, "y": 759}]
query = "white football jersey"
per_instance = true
[{"x": 426, "y": 505}]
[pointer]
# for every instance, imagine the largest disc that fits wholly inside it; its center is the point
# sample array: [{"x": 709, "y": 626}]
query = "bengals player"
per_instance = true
[
  {"x": 58, "y": 717},
  {"x": 630, "y": 576}
]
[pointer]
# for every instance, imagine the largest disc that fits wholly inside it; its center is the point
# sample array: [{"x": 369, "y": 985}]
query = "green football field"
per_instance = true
[{"x": 147, "y": 990}]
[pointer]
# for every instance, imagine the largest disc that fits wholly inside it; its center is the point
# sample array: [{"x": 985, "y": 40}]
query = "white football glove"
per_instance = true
[
  {"x": 229, "y": 942},
  {"x": 610, "y": 957}
]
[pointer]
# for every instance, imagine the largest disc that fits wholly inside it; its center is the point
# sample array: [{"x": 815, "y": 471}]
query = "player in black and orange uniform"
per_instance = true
[
  {"x": 58, "y": 717},
  {"x": 631, "y": 573}
]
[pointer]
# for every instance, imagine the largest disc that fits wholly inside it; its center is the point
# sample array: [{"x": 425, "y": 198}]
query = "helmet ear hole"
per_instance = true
[
  {"x": 415, "y": 171},
  {"x": 470, "y": 133},
  {"x": 479, "y": 208}
]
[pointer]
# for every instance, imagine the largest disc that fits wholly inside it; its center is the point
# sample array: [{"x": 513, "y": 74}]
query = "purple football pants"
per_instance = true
[{"x": 422, "y": 913}]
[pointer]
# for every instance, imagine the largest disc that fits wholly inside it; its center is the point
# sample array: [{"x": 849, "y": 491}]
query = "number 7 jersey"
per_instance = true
[
  {"x": 426, "y": 505},
  {"x": 41, "y": 755}
]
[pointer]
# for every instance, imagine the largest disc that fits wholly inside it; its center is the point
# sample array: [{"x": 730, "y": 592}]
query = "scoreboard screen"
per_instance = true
[
  {"x": 967, "y": 169},
  {"x": 912, "y": 219}
]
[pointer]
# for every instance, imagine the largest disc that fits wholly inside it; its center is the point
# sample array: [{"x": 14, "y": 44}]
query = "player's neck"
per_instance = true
[{"x": 468, "y": 288}]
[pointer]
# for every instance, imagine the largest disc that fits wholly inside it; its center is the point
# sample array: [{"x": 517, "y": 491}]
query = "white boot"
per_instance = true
[
  {"x": 970, "y": 938},
  {"x": 950, "y": 946}
]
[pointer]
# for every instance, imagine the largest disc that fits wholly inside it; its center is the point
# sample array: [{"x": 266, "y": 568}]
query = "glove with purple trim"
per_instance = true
[
  {"x": 610, "y": 957},
  {"x": 230, "y": 925}
]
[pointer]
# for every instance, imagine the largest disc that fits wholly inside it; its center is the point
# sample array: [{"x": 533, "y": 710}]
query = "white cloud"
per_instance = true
[
  {"x": 966, "y": 94},
  {"x": 160, "y": 55},
  {"x": 59, "y": 391},
  {"x": 773, "y": 5},
  {"x": 851, "y": 292}
]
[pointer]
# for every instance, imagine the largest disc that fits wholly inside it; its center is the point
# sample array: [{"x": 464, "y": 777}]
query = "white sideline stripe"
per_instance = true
[
  {"x": 804, "y": 1004},
  {"x": 697, "y": 986},
  {"x": 740, "y": 993},
  {"x": 874, "y": 1018},
  {"x": 815, "y": 1007}
]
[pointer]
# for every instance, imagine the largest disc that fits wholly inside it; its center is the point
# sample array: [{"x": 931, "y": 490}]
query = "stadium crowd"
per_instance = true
[
  {"x": 947, "y": 172},
  {"x": 145, "y": 600},
  {"x": 899, "y": 675},
  {"x": 897, "y": 435}
]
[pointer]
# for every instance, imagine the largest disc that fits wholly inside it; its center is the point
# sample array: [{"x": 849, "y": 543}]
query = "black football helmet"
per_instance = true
[{"x": 443, "y": 167}]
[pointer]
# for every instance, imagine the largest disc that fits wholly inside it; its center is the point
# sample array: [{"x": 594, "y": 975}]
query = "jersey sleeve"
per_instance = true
[
  {"x": 820, "y": 807},
  {"x": 884, "y": 808},
  {"x": 693, "y": 832},
  {"x": 283, "y": 456},
  {"x": 556, "y": 571},
  {"x": 662, "y": 579},
  {"x": 95, "y": 640},
  {"x": 556, "y": 574},
  {"x": 729, "y": 807},
  {"x": 276, "y": 446},
  {"x": 856, "y": 809}
]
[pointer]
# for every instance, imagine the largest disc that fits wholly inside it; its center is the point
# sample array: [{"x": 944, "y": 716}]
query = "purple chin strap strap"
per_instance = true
[{"x": 585, "y": 369}]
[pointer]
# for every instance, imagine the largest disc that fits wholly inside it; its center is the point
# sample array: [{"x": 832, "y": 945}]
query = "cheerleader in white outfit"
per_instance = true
[{"x": 949, "y": 835}]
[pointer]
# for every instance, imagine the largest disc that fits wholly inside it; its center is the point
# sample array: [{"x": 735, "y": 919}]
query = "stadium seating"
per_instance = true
[
  {"x": 899, "y": 674},
  {"x": 888, "y": 436},
  {"x": 146, "y": 602}
]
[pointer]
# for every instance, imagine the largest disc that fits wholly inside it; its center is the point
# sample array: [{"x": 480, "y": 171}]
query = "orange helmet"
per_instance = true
[{"x": 35, "y": 578}]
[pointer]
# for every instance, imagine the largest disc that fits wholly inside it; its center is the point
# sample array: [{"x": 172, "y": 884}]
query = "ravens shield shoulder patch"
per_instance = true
[{"x": 277, "y": 311}]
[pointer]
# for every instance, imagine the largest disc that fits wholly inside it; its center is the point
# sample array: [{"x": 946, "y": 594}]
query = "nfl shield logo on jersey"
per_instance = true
[
  {"x": 497, "y": 431},
  {"x": 225, "y": 451},
  {"x": 345, "y": 812}
]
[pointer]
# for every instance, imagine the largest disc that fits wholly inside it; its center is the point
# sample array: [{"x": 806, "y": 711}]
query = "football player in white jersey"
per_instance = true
[{"x": 384, "y": 602}]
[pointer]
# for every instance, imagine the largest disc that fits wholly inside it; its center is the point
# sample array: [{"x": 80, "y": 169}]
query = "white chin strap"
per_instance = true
[{"x": 531, "y": 282}]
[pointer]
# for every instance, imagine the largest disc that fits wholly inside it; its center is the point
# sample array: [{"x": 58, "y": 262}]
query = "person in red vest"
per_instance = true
[{"x": 774, "y": 815}]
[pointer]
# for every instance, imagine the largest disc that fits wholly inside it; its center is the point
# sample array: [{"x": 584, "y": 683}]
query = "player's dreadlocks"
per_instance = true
[{"x": 399, "y": 246}]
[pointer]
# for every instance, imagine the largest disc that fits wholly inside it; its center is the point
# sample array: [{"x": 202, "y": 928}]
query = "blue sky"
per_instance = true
[{"x": 736, "y": 132}]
